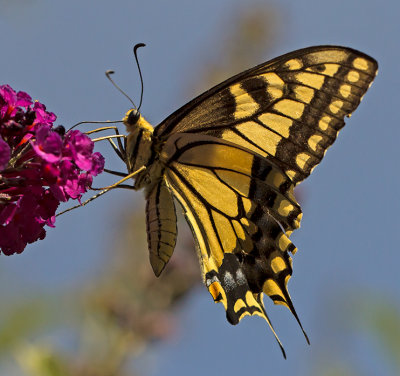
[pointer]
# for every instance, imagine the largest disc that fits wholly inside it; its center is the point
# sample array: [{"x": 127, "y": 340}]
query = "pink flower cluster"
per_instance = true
[{"x": 40, "y": 166}]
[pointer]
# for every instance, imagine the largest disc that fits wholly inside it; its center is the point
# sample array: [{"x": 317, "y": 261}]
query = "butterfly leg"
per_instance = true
[
  {"x": 104, "y": 190},
  {"x": 120, "y": 150}
]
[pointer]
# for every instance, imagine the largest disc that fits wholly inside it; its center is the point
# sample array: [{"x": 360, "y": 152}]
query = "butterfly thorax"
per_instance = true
[{"x": 140, "y": 151}]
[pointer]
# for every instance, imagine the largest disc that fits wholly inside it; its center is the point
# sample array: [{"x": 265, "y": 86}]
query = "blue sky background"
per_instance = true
[{"x": 57, "y": 51}]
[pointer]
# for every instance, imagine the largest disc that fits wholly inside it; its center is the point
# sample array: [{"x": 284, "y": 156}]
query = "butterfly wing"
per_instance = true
[
  {"x": 161, "y": 226},
  {"x": 233, "y": 155},
  {"x": 238, "y": 205},
  {"x": 289, "y": 109}
]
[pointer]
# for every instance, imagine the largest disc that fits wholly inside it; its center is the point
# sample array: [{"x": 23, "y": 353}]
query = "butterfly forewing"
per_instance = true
[{"x": 289, "y": 110}]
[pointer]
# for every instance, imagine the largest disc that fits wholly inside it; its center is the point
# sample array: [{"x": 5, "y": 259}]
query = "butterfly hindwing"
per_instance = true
[
  {"x": 238, "y": 205},
  {"x": 161, "y": 226}
]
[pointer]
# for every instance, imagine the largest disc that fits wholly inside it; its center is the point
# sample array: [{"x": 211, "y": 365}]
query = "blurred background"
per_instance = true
[{"x": 84, "y": 301}]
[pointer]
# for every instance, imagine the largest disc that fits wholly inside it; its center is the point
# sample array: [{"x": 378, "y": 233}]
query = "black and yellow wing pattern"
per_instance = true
[{"x": 232, "y": 156}]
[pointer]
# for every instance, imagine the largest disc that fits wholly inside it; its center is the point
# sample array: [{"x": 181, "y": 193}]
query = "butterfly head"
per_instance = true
[
  {"x": 134, "y": 121},
  {"x": 132, "y": 117}
]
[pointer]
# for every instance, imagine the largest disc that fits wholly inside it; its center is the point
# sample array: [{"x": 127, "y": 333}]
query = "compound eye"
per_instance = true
[{"x": 133, "y": 117}]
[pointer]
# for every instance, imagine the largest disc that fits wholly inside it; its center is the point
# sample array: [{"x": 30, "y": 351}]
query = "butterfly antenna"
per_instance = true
[
  {"x": 108, "y": 74},
  {"x": 140, "y": 72}
]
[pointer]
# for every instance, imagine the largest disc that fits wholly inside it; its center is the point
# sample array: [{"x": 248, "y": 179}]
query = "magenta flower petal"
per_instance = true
[
  {"x": 58, "y": 192},
  {"x": 5, "y": 153},
  {"x": 50, "y": 173},
  {"x": 47, "y": 208},
  {"x": 7, "y": 213},
  {"x": 81, "y": 147},
  {"x": 40, "y": 166},
  {"x": 48, "y": 144},
  {"x": 42, "y": 116},
  {"x": 71, "y": 188},
  {"x": 97, "y": 164},
  {"x": 10, "y": 240},
  {"x": 76, "y": 186},
  {"x": 10, "y": 101},
  {"x": 23, "y": 99},
  {"x": 7, "y": 94},
  {"x": 84, "y": 181}
]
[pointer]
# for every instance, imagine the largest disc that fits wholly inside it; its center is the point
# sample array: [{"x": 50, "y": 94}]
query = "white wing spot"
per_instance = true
[
  {"x": 229, "y": 282},
  {"x": 210, "y": 281},
  {"x": 240, "y": 277}
]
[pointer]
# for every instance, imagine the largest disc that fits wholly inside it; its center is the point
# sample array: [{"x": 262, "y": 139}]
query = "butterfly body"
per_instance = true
[
  {"x": 232, "y": 157},
  {"x": 139, "y": 150}
]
